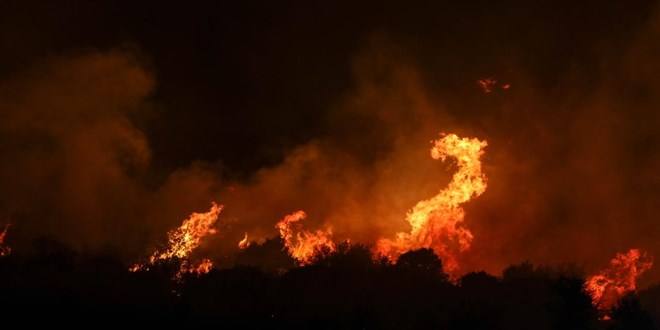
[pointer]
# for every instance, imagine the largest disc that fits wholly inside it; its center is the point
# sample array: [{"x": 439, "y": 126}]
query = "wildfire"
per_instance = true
[
  {"x": 243, "y": 244},
  {"x": 606, "y": 287},
  {"x": 4, "y": 249},
  {"x": 303, "y": 245},
  {"x": 437, "y": 223},
  {"x": 183, "y": 240}
]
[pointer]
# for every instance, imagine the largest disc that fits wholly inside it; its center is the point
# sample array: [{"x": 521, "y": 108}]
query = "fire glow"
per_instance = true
[
  {"x": 608, "y": 285},
  {"x": 437, "y": 223},
  {"x": 488, "y": 85},
  {"x": 244, "y": 243},
  {"x": 4, "y": 249},
  {"x": 303, "y": 245},
  {"x": 183, "y": 240}
]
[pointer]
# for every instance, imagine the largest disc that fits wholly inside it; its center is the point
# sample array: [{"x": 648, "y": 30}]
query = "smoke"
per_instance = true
[
  {"x": 362, "y": 178},
  {"x": 71, "y": 154},
  {"x": 571, "y": 166},
  {"x": 571, "y": 162}
]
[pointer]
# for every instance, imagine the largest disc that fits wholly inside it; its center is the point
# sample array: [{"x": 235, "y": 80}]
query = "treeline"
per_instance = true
[{"x": 346, "y": 289}]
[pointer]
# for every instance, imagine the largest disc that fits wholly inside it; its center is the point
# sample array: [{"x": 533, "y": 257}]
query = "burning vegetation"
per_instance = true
[
  {"x": 301, "y": 244},
  {"x": 437, "y": 223},
  {"x": 609, "y": 285},
  {"x": 346, "y": 288},
  {"x": 244, "y": 243},
  {"x": 183, "y": 240},
  {"x": 333, "y": 213}
]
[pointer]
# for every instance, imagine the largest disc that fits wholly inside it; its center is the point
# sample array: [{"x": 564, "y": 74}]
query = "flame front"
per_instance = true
[
  {"x": 183, "y": 240},
  {"x": 4, "y": 249},
  {"x": 606, "y": 287},
  {"x": 437, "y": 223},
  {"x": 303, "y": 245}
]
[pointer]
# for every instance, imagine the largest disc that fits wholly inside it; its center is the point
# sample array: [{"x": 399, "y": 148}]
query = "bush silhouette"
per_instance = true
[
  {"x": 628, "y": 314},
  {"x": 348, "y": 288}
]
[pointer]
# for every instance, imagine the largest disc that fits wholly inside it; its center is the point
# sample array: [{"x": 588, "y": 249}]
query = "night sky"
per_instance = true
[{"x": 118, "y": 119}]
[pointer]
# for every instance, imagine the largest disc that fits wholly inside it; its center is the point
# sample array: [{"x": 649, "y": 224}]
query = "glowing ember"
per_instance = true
[
  {"x": 4, "y": 249},
  {"x": 490, "y": 84},
  {"x": 243, "y": 244},
  {"x": 203, "y": 267},
  {"x": 183, "y": 240},
  {"x": 487, "y": 84},
  {"x": 437, "y": 223},
  {"x": 606, "y": 287},
  {"x": 303, "y": 245}
]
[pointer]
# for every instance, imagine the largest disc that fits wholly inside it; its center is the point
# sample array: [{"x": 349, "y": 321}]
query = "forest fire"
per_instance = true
[
  {"x": 265, "y": 164},
  {"x": 437, "y": 223},
  {"x": 301, "y": 244},
  {"x": 183, "y": 240},
  {"x": 620, "y": 278}
]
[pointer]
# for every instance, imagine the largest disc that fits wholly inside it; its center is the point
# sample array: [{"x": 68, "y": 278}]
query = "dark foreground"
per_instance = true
[{"x": 347, "y": 289}]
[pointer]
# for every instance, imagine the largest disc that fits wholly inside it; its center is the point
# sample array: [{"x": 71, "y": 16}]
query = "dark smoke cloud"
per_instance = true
[
  {"x": 572, "y": 169},
  {"x": 572, "y": 157},
  {"x": 70, "y": 153}
]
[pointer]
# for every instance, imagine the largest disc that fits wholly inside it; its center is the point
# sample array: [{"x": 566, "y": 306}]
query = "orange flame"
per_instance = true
[
  {"x": 437, "y": 223},
  {"x": 183, "y": 240},
  {"x": 304, "y": 245},
  {"x": 606, "y": 287},
  {"x": 203, "y": 267},
  {"x": 243, "y": 244},
  {"x": 4, "y": 249}
]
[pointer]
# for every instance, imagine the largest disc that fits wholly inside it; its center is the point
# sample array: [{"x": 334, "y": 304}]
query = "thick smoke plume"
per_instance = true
[
  {"x": 572, "y": 165},
  {"x": 72, "y": 156}
]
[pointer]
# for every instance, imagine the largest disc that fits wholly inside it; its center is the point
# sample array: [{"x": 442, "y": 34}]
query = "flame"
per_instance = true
[
  {"x": 243, "y": 244},
  {"x": 437, "y": 223},
  {"x": 183, "y": 240},
  {"x": 4, "y": 249},
  {"x": 304, "y": 245},
  {"x": 606, "y": 287},
  {"x": 203, "y": 267}
]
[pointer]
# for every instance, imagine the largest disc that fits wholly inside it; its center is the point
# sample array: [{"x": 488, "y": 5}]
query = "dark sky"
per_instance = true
[
  {"x": 118, "y": 119},
  {"x": 238, "y": 81}
]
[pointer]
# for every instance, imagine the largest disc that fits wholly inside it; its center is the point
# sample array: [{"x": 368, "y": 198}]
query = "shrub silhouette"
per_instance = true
[
  {"x": 421, "y": 263},
  {"x": 349, "y": 288},
  {"x": 628, "y": 314}
]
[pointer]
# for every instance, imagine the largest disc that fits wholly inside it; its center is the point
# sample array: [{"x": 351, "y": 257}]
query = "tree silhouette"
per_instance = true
[
  {"x": 421, "y": 263},
  {"x": 348, "y": 288},
  {"x": 628, "y": 314},
  {"x": 270, "y": 257}
]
